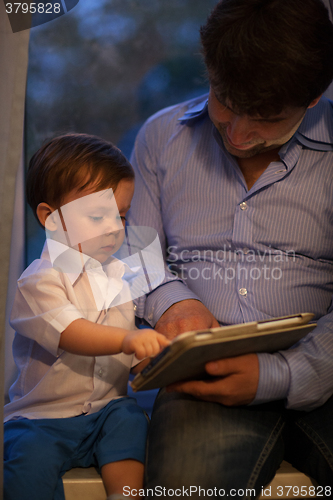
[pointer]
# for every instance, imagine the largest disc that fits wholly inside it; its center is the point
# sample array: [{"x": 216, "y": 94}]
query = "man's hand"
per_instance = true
[
  {"x": 185, "y": 316},
  {"x": 236, "y": 382}
]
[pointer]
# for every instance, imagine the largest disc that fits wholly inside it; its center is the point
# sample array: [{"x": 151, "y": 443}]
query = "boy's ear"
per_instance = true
[{"x": 44, "y": 214}]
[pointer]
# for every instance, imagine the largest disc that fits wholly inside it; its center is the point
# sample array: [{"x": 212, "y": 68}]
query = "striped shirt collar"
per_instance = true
[{"x": 316, "y": 129}]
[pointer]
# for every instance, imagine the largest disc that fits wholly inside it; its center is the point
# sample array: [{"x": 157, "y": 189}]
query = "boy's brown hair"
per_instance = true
[{"x": 74, "y": 161}]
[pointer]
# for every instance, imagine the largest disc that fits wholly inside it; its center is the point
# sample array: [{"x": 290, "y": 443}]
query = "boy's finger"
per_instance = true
[
  {"x": 163, "y": 341},
  {"x": 140, "y": 352}
]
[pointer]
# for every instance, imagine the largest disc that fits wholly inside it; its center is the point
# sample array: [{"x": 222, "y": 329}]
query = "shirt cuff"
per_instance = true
[
  {"x": 274, "y": 378},
  {"x": 164, "y": 297}
]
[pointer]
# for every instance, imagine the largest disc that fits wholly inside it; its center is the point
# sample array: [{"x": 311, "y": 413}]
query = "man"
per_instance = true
[{"x": 240, "y": 188}]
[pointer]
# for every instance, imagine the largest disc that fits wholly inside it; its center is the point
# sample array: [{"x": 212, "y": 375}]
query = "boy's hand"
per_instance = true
[{"x": 144, "y": 343}]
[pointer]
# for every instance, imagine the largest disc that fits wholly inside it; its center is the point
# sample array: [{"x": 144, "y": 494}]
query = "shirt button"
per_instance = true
[
  {"x": 243, "y": 205},
  {"x": 150, "y": 317},
  {"x": 100, "y": 373},
  {"x": 243, "y": 292}
]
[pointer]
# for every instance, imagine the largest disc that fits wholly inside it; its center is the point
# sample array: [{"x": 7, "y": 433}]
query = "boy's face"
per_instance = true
[{"x": 94, "y": 221}]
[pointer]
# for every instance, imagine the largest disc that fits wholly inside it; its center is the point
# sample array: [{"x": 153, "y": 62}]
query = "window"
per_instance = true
[{"x": 106, "y": 66}]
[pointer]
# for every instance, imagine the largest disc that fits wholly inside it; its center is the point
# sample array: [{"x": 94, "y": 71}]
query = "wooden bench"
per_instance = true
[{"x": 86, "y": 484}]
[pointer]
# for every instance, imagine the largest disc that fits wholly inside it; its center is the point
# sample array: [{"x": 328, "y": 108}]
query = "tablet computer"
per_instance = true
[{"x": 186, "y": 356}]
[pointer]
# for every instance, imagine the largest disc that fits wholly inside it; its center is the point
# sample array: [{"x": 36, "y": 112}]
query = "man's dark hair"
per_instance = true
[
  {"x": 74, "y": 161},
  {"x": 264, "y": 55}
]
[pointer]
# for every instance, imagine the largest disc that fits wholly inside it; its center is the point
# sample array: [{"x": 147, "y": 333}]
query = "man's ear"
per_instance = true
[
  {"x": 44, "y": 214},
  {"x": 314, "y": 102}
]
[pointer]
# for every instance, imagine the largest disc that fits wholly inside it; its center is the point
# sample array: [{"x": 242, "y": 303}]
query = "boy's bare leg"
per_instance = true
[{"x": 116, "y": 475}]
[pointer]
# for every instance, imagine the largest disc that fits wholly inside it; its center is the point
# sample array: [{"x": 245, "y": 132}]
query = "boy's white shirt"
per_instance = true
[{"x": 52, "y": 292}]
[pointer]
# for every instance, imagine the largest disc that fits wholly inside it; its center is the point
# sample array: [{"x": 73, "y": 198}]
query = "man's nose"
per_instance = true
[{"x": 240, "y": 130}]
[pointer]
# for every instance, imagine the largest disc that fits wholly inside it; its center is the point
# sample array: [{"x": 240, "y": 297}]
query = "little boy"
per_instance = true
[{"x": 75, "y": 333}]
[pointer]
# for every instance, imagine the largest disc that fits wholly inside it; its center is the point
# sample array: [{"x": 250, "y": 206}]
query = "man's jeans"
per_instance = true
[{"x": 198, "y": 444}]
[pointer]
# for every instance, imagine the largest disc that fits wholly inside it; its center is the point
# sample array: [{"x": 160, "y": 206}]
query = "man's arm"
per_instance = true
[
  {"x": 160, "y": 307},
  {"x": 310, "y": 368}
]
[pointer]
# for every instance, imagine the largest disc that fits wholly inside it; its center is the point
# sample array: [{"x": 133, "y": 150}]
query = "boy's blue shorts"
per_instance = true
[{"x": 38, "y": 452}]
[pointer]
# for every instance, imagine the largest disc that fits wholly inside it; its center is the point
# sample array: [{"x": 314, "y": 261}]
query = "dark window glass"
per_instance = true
[
  {"x": 107, "y": 65},
  {"x": 103, "y": 68}
]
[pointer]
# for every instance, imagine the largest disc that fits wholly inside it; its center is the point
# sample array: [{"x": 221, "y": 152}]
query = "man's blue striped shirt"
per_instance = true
[{"x": 246, "y": 254}]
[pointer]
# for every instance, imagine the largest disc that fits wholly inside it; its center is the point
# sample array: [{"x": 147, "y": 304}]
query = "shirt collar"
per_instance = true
[
  {"x": 196, "y": 109},
  {"x": 73, "y": 263},
  {"x": 66, "y": 259},
  {"x": 316, "y": 129}
]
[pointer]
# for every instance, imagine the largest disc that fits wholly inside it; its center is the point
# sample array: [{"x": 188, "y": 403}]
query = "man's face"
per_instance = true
[{"x": 245, "y": 136}]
